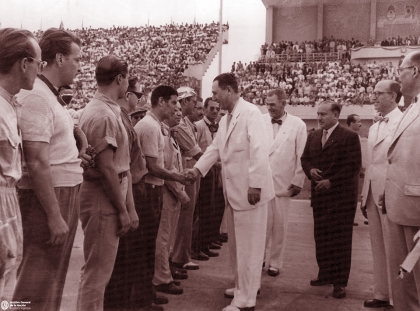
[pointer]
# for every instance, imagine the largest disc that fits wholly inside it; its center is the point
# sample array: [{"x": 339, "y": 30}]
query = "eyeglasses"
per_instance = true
[
  {"x": 41, "y": 64},
  {"x": 214, "y": 108},
  {"x": 376, "y": 94},
  {"x": 400, "y": 69}
]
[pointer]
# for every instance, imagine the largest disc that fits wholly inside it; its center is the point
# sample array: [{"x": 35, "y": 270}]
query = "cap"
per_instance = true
[
  {"x": 185, "y": 91},
  {"x": 138, "y": 110}
]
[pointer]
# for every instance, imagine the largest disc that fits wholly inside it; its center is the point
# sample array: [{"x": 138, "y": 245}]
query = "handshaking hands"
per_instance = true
[{"x": 190, "y": 175}]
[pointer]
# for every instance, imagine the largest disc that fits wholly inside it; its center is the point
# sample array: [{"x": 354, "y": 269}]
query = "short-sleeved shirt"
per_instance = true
[
  {"x": 10, "y": 141},
  {"x": 149, "y": 131},
  {"x": 187, "y": 139},
  {"x": 44, "y": 119},
  {"x": 102, "y": 124}
]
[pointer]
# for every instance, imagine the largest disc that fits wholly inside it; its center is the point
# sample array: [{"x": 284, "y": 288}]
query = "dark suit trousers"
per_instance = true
[
  {"x": 148, "y": 202},
  {"x": 333, "y": 232}
]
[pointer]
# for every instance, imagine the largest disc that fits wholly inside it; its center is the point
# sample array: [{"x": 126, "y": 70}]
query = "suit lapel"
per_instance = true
[
  {"x": 234, "y": 120},
  {"x": 281, "y": 134},
  {"x": 381, "y": 136},
  {"x": 333, "y": 137},
  {"x": 406, "y": 119}
]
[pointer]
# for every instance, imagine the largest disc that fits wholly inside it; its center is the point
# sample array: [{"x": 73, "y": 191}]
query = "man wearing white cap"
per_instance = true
[{"x": 191, "y": 152}]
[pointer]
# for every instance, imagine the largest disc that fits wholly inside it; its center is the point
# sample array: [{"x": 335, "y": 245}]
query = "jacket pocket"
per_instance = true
[{"x": 412, "y": 190}]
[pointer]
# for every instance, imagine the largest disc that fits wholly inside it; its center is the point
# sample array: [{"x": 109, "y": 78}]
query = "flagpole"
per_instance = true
[{"x": 220, "y": 35}]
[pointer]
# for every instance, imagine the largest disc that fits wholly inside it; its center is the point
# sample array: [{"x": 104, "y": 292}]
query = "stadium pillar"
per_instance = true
[
  {"x": 320, "y": 28},
  {"x": 373, "y": 20},
  {"x": 269, "y": 25}
]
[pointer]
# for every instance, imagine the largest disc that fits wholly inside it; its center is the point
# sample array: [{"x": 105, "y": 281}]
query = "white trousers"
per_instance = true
[
  {"x": 246, "y": 230},
  {"x": 277, "y": 223}
]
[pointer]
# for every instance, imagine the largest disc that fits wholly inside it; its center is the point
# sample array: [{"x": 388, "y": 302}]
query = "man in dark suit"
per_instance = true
[{"x": 332, "y": 160}]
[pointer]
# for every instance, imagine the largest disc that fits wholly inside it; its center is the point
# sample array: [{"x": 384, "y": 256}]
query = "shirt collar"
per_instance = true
[
  {"x": 9, "y": 97},
  {"x": 208, "y": 121},
  {"x": 108, "y": 101},
  {"x": 331, "y": 129}
]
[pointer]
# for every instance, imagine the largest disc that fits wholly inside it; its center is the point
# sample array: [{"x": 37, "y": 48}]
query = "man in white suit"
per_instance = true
[
  {"x": 386, "y": 97},
  {"x": 242, "y": 146},
  {"x": 402, "y": 189},
  {"x": 287, "y": 137}
]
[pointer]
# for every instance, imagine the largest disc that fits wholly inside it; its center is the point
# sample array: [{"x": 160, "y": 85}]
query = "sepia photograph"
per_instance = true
[{"x": 204, "y": 155}]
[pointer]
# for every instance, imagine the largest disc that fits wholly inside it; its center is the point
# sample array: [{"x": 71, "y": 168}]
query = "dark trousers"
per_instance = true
[
  {"x": 42, "y": 273},
  {"x": 205, "y": 212},
  {"x": 333, "y": 232},
  {"x": 118, "y": 292},
  {"x": 148, "y": 201}
]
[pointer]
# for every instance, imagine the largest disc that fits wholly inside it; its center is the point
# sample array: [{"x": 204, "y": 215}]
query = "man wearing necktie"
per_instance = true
[
  {"x": 241, "y": 145},
  {"x": 386, "y": 97},
  {"x": 402, "y": 189},
  {"x": 210, "y": 203},
  {"x": 331, "y": 160},
  {"x": 287, "y": 137}
]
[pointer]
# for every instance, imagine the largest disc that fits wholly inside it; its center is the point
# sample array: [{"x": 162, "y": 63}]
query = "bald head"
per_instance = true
[{"x": 409, "y": 74}]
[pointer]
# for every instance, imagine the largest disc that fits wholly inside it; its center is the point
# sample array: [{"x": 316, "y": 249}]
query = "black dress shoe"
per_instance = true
[
  {"x": 218, "y": 243},
  {"x": 209, "y": 253},
  {"x": 161, "y": 300},
  {"x": 247, "y": 309},
  {"x": 199, "y": 256},
  {"x": 170, "y": 289},
  {"x": 214, "y": 246},
  {"x": 376, "y": 303},
  {"x": 176, "y": 275},
  {"x": 318, "y": 282},
  {"x": 339, "y": 292},
  {"x": 273, "y": 271}
]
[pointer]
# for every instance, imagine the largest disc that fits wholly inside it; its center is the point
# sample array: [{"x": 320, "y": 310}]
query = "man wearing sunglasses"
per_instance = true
[
  {"x": 49, "y": 188},
  {"x": 18, "y": 70},
  {"x": 401, "y": 197}
]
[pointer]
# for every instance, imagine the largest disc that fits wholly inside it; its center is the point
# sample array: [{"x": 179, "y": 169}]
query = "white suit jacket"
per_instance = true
[
  {"x": 285, "y": 152},
  {"x": 376, "y": 160},
  {"x": 243, "y": 150},
  {"x": 402, "y": 187}
]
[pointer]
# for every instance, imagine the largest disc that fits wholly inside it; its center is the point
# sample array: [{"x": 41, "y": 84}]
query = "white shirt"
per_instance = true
[{"x": 330, "y": 130}]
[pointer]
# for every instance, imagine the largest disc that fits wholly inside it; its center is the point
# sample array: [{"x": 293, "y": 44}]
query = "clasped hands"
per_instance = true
[
  {"x": 189, "y": 176},
  {"x": 321, "y": 184}
]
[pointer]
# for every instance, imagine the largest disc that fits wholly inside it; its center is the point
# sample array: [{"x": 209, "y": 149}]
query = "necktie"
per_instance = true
[
  {"x": 279, "y": 122},
  {"x": 380, "y": 119},
  {"x": 324, "y": 137}
]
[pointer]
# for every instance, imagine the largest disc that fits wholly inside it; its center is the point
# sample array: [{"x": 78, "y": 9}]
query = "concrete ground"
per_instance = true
[{"x": 290, "y": 291}]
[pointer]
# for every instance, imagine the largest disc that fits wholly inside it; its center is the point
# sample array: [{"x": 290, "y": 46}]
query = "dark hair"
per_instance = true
[
  {"x": 206, "y": 102},
  {"x": 14, "y": 46},
  {"x": 108, "y": 68},
  {"x": 163, "y": 91},
  {"x": 335, "y": 107},
  {"x": 55, "y": 41},
  {"x": 278, "y": 92},
  {"x": 227, "y": 79},
  {"x": 199, "y": 99},
  {"x": 351, "y": 118},
  {"x": 132, "y": 81}
]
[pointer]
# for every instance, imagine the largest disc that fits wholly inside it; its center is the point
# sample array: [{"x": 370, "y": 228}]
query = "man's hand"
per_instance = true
[
  {"x": 190, "y": 175},
  {"x": 134, "y": 218},
  {"x": 124, "y": 222},
  {"x": 4, "y": 254},
  {"x": 58, "y": 230},
  {"x": 254, "y": 195},
  {"x": 381, "y": 200},
  {"x": 315, "y": 174},
  {"x": 86, "y": 161},
  {"x": 183, "y": 198},
  {"x": 322, "y": 185},
  {"x": 295, "y": 190},
  {"x": 363, "y": 208}
]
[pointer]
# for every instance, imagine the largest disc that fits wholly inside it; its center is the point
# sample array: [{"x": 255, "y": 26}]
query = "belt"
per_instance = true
[{"x": 98, "y": 178}]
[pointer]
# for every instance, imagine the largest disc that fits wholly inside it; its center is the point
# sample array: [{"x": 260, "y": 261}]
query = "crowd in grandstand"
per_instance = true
[
  {"x": 311, "y": 83},
  {"x": 399, "y": 41},
  {"x": 158, "y": 55},
  {"x": 295, "y": 50}
]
